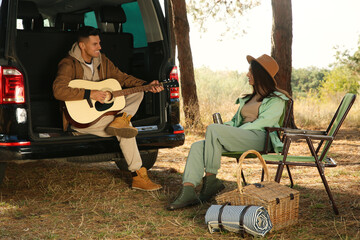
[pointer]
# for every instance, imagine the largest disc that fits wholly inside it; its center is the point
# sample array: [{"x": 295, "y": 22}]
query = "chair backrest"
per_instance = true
[
  {"x": 283, "y": 122},
  {"x": 336, "y": 122},
  {"x": 285, "y": 118}
]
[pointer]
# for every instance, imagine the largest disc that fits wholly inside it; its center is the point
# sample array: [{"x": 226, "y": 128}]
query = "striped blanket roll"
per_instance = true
[{"x": 256, "y": 219}]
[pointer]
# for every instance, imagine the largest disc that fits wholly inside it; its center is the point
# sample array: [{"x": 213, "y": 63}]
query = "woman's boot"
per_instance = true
[
  {"x": 187, "y": 197},
  {"x": 211, "y": 186}
]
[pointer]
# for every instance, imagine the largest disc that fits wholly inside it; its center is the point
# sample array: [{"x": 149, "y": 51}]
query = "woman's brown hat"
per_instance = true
[{"x": 267, "y": 62}]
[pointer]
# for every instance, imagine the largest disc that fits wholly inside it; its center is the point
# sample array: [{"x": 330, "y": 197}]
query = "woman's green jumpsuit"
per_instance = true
[{"x": 205, "y": 155}]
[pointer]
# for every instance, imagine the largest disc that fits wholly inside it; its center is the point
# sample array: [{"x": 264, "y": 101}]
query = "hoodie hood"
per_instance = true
[{"x": 75, "y": 52}]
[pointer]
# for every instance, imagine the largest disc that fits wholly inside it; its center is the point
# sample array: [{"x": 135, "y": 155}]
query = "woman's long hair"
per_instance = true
[{"x": 264, "y": 84}]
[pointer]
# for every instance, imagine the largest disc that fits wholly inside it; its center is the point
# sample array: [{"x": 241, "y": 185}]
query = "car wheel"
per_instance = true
[
  {"x": 2, "y": 171},
  {"x": 148, "y": 160}
]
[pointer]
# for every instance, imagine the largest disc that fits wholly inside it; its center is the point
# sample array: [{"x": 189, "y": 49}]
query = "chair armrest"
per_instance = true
[
  {"x": 267, "y": 138},
  {"x": 272, "y": 129},
  {"x": 306, "y": 136},
  {"x": 301, "y": 131}
]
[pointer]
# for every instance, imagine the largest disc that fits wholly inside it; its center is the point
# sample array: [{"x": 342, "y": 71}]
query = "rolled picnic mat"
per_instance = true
[{"x": 255, "y": 219}]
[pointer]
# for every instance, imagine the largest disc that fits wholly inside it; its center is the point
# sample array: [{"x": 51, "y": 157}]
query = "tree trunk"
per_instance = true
[
  {"x": 172, "y": 29},
  {"x": 188, "y": 85},
  {"x": 281, "y": 44}
]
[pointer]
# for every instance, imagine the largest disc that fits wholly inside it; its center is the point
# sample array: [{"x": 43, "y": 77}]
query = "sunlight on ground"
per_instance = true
[{"x": 6, "y": 207}]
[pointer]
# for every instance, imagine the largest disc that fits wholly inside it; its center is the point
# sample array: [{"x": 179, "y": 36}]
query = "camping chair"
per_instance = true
[
  {"x": 319, "y": 158},
  {"x": 283, "y": 123}
]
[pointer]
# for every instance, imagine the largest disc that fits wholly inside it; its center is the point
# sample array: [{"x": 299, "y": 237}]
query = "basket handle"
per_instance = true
[{"x": 239, "y": 180}]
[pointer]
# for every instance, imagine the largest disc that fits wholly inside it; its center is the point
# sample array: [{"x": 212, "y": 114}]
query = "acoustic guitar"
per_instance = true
[{"x": 86, "y": 112}]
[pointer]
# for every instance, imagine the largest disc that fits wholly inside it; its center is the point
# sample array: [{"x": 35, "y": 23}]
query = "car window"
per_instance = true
[
  {"x": 90, "y": 19},
  {"x": 151, "y": 21},
  {"x": 134, "y": 24},
  {"x": 19, "y": 24}
]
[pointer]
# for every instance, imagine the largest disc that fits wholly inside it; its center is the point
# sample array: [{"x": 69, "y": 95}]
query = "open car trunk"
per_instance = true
[{"x": 46, "y": 33}]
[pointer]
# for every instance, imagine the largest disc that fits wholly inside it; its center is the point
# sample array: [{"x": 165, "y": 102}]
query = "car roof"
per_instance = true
[{"x": 52, "y": 7}]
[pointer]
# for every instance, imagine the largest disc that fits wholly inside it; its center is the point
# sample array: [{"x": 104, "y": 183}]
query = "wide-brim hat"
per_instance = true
[{"x": 267, "y": 62}]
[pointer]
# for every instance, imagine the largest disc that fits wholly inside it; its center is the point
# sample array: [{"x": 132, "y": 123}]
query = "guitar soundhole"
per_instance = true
[{"x": 103, "y": 106}]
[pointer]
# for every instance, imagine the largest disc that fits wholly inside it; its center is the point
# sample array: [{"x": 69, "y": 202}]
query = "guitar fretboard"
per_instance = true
[{"x": 129, "y": 91}]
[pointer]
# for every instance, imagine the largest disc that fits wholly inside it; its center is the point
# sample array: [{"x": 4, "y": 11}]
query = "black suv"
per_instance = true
[{"x": 35, "y": 35}]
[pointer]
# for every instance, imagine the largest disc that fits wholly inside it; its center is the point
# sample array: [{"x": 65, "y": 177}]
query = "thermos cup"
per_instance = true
[{"x": 217, "y": 118}]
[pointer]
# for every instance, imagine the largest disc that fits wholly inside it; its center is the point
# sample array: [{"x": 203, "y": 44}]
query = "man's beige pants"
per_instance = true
[{"x": 128, "y": 146}]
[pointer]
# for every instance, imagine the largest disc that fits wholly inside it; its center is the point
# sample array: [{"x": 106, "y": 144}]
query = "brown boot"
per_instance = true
[
  {"x": 120, "y": 126},
  {"x": 142, "y": 181}
]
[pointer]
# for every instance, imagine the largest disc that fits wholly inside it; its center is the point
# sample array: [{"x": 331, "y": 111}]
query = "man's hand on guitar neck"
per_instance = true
[
  {"x": 99, "y": 96},
  {"x": 157, "y": 88}
]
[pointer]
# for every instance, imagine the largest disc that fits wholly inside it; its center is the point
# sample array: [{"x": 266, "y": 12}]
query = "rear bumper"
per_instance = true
[{"x": 89, "y": 146}]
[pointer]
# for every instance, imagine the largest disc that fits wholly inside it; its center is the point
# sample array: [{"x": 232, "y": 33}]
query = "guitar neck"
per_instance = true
[{"x": 129, "y": 91}]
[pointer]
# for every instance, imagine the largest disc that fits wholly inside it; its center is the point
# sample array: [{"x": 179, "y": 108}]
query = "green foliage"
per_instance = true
[
  {"x": 352, "y": 61},
  {"x": 308, "y": 79},
  {"x": 339, "y": 79},
  {"x": 345, "y": 75}
]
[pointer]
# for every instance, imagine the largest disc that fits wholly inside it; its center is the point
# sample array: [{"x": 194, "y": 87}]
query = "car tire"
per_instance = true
[
  {"x": 148, "y": 160},
  {"x": 2, "y": 171}
]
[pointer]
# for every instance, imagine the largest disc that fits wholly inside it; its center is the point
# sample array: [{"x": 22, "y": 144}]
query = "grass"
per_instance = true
[
  {"x": 59, "y": 200},
  {"x": 55, "y": 199}
]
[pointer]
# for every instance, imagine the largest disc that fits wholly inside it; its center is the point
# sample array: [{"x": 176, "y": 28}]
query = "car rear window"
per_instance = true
[
  {"x": 134, "y": 24},
  {"x": 90, "y": 19}
]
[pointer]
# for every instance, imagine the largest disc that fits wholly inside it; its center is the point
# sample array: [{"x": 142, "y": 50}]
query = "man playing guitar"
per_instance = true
[{"x": 86, "y": 62}]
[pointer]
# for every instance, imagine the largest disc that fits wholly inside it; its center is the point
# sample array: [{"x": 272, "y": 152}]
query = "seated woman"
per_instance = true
[{"x": 263, "y": 108}]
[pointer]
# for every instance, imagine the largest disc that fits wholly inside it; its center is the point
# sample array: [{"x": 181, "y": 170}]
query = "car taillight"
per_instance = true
[
  {"x": 11, "y": 86},
  {"x": 14, "y": 144},
  {"x": 174, "y": 75},
  {"x": 179, "y": 132}
]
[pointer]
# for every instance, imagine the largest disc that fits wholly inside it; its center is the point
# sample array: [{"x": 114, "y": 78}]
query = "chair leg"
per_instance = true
[
  {"x": 290, "y": 176},
  {"x": 279, "y": 172},
  {"x": 328, "y": 191},
  {"x": 282, "y": 163},
  {"x": 322, "y": 175}
]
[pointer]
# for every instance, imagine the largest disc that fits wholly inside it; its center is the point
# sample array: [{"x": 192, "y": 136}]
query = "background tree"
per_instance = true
[
  {"x": 281, "y": 44},
  {"x": 307, "y": 79},
  {"x": 188, "y": 85},
  {"x": 351, "y": 61},
  {"x": 172, "y": 29},
  {"x": 345, "y": 75},
  {"x": 339, "y": 80},
  {"x": 227, "y": 12},
  {"x": 200, "y": 10}
]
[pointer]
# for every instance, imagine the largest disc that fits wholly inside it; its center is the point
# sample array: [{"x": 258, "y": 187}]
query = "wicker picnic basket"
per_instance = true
[{"x": 281, "y": 202}]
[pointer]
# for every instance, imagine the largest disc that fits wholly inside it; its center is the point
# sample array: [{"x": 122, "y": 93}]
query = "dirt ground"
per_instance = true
[{"x": 55, "y": 199}]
